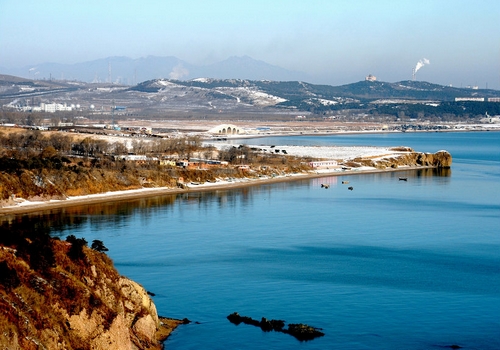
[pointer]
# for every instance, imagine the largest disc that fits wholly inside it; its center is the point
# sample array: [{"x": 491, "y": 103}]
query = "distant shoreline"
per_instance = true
[
  {"x": 27, "y": 207},
  {"x": 356, "y": 132},
  {"x": 34, "y": 207}
]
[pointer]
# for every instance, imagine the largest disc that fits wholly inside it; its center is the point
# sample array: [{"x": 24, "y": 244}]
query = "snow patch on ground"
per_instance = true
[
  {"x": 327, "y": 102},
  {"x": 165, "y": 83},
  {"x": 322, "y": 152},
  {"x": 334, "y": 152},
  {"x": 257, "y": 97}
]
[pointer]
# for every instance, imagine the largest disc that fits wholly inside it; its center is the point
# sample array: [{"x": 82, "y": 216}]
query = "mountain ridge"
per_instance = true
[
  {"x": 361, "y": 90},
  {"x": 129, "y": 71}
]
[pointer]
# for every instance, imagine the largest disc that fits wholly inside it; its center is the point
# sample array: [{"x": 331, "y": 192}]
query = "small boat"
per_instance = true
[
  {"x": 350, "y": 188},
  {"x": 345, "y": 182},
  {"x": 403, "y": 179}
]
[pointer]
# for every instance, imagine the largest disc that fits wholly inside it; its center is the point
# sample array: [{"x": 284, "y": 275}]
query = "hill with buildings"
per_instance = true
[{"x": 232, "y": 97}]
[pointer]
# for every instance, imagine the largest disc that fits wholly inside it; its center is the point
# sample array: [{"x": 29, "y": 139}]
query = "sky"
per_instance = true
[{"x": 335, "y": 42}]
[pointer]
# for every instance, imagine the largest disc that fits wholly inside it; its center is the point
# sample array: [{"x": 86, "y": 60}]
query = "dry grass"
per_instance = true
[{"x": 42, "y": 302}]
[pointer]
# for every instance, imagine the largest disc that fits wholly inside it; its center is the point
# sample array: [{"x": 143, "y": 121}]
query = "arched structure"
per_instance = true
[{"x": 226, "y": 129}]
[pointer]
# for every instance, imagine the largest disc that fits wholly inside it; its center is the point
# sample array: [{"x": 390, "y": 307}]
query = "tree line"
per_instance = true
[{"x": 31, "y": 142}]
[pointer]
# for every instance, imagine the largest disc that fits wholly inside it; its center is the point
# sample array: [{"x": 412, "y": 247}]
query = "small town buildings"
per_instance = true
[{"x": 323, "y": 164}]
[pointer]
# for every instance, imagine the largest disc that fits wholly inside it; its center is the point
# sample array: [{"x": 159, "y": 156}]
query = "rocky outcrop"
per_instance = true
[
  {"x": 73, "y": 303},
  {"x": 134, "y": 326},
  {"x": 410, "y": 158},
  {"x": 300, "y": 331}
]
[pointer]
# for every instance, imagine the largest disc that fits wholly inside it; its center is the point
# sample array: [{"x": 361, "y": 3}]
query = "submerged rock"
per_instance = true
[
  {"x": 300, "y": 331},
  {"x": 303, "y": 332}
]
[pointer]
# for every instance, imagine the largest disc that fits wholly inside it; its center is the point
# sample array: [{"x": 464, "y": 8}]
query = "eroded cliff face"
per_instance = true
[
  {"x": 72, "y": 304},
  {"x": 407, "y": 158}
]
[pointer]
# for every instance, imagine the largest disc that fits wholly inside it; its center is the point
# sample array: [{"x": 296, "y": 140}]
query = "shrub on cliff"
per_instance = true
[
  {"x": 8, "y": 276},
  {"x": 76, "y": 252},
  {"x": 99, "y": 246},
  {"x": 32, "y": 242}
]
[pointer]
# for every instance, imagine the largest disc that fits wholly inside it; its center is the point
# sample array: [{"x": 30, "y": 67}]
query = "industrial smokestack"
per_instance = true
[{"x": 419, "y": 65}]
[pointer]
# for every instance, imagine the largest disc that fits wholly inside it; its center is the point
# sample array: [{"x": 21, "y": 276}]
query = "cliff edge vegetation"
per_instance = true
[{"x": 57, "y": 294}]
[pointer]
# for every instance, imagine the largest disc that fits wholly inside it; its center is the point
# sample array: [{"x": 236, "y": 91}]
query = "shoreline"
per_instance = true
[
  {"x": 357, "y": 132},
  {"x": 28, "y": 207},
  {"x": 167, "y": 326}
]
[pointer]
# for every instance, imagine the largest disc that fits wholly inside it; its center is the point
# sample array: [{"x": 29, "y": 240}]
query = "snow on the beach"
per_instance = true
[
  {"x": 335, "y": 152},
  {"x": 322, "y": 152},
  {"x": 21, "y": 202}
]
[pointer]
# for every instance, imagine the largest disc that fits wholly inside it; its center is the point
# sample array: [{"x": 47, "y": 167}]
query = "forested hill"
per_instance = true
[
  {"x": 362, "y": 90},
  {"x": 374, "y": 97}
]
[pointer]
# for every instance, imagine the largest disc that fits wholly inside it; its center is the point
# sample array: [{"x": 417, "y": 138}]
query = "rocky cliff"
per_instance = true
[
  {"x": 53, "y": 296},
  {"x": 407, "y": 158}
]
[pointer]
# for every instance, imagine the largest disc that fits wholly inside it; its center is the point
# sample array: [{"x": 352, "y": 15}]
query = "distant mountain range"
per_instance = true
[{"x": 128, "y": 71}]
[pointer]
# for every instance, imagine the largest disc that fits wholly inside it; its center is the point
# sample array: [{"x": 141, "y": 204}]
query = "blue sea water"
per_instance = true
[{"x": 390, "y": 265}]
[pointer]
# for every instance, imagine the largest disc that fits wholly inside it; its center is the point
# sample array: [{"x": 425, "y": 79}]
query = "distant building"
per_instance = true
[
  {"x": 473, "y": 99},
  {"x": 323, "y": 164},
  {"x": 493, "y": 99},
  {"x": 371, "y": 78},
  {"x": 54, "y": 107}
]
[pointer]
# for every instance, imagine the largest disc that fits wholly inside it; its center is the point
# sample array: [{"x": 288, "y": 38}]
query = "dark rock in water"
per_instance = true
[
  {"x": 234, "y": 318},
  {"x": 271, "y": 325},
  {"x": 278, "y": 325},
  {"x": 266, "y": 325},
  {"x": 237, "y": 319},
  {"x": 186, "y": 321},
  {"x": 303, "y": 332},
  {"x": 300, "y": 331},
  {"x": 250, "y": 321}
]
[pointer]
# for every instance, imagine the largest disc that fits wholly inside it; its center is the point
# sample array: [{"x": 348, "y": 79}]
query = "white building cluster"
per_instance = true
[
  {"x": 477, "y": 99},
  {"x": 53, "y": 107},
  {"x": 472, "y": 99},
  {"x": 48, "y": 107}
]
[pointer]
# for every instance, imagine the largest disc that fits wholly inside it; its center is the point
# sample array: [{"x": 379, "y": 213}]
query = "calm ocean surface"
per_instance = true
[{"x": 389, "y": 265}]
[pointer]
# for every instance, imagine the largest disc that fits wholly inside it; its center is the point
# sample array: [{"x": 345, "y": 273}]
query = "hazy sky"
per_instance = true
[{"x": 336, "y": 41}]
